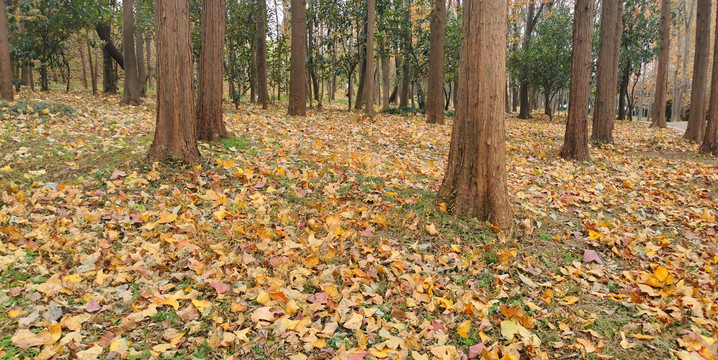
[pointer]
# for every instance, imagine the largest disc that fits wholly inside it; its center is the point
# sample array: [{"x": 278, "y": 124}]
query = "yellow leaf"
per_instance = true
[
  {"x": 464, "y": 328},
  {"x": 90, "y": 354},
  {"x": 431, "y": 229},
  {"x": 55, "y": 333},
  {"x": 509, "y": 328},
  {"x": 171, "y": 301},
  {"x": 14, "y": 313},
  {"x": 568, "y": 300},
  {"x": 45, "y": 111},
  {"x": 161, "y": 348},
  {"x": 6, "y": 168},
  {"x": 593, "y": 235},
  {"x": 201, "y": 304},
  {"x": 298, "y": 357},
  {"x": 166, "y": 218},
  {"x": 354, "y": 321},
  {"x": 661, "y": 273}
]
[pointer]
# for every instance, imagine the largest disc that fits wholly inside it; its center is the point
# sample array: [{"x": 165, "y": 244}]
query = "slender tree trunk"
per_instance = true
[
  {"x": 298, "y": 70},
  {"x": 435, "y": 90},
  {"x": 262, "y": 89},
  {"x": 6, "y": 90},
  {"x": 607, "y": 77},
  {"x": 623, "y": 90},
  {"x": 475, "y": 183},
  {"x": 175, "y": 133},
  {"x": 697, "y": 114},
  {"x": 405, "y": 68},
  {"x": 359, "y": 101},
  {"x": 659, "y": 107},
  {"x": 682, "y": 63},
  {"x": 93, "y": 70},
  {"x": 141, "y": 66},
  {"x": 385, "y": 77},
  {"x": 710, "y": 139},
  {"x": 575, "y": 146},
  {"x": 148, "y": 63},
  {"x": 210, "y": 125},
  {"x": 84, "y": 67},
  {"x": 524, "y": 102},
  {"x": 369, "y": 87}
]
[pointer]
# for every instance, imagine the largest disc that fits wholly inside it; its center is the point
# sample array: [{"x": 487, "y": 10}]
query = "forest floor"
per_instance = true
[{"x": 320, "y": 237}]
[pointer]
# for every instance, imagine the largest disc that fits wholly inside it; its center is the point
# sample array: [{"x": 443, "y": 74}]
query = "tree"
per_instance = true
[
  {"x": 532, "y": 17},
  {"x": 546, "y": 61},
  {"x": 406, "y": 54},
  {"x": 131, "y": 92},
  {"x": 575, "y": 144},
  {"x": 697, "y": 113},
  {"x": 369, "y": 86},
  {"x": 5, "y": 68},
  {"x": 298, "y": 70},
  {"x": 607, "y": 76},
  {"x": 710, "y": 140},
  {"x": 175, "y": 133},
  {"x": 262, "y": 89},
  {"x": 475, "y": 183},
  {"x": 659, "y": 102},
  {"x": 210, "y": 125},
  {"x": 435, "y": 91}
]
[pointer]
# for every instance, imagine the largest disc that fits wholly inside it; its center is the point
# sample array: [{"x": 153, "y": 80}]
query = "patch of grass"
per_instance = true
[
  {"x": 237, "y": 143},
  {"x": 42, "y": 109}
]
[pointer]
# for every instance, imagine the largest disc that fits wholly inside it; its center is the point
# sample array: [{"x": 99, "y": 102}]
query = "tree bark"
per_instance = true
[
  {"x": 262, "y": 89},
  {"x": 435, "y": 88},
  {"x": 682, "y": 63},
  {"x": 710, "y": 140},
  {"x": 298, "y": 70},
  {"x": 623, "y": 91},
  {"x": 6, "y": 90},
  {"x": 369, "y": 86},
  {"x": 84, "y": 67},
  {"x": 93, "y": 72},
  {"x": 141, "y": 66},
  {"x": 475, "y": 183},
  {"x": 405, "y": 68},
  {"x": 697, "y": 114},
  {"x": 575, "y": 145},
  {"x": 131, "y": 92},
  {"x": 607, "y": 77},
  {"x": 524, "y": 101},
  {"x": 103, "y": 32},
  {"x": 175, "y": 133},
  {"x": 210, "y": 125},
  {"x": 385, "y": 77},
  {"x": 659, "y": 103}
]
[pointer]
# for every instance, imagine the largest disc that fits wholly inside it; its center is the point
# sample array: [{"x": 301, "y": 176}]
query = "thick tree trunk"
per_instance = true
[
  {"x": 697, "y": 114},
  {"x": 435, "y": 88},
  {"x": 405, "y": 68},
  {"x": 262, "y": 88},
  {"x": 682, "y": 63},
  {"x": 659, "y": 107},
  {"x": 607, "y": 77},
  {"x": 109, "y": 79},
  {"x": 6, "y": 90},
  {"x": 210, "y": 125},
  {"x": 131, "y": 92},
  {"x": 475, "y": 183},
  {"x": 575, "y": 145},
  {"x": 359, "y": 101},
  {"x": 710, "y": 140},
  {"x": 175, "y": 133},
  {"x": 369, "y": 86},
  {"x": 298, "y": 70}
]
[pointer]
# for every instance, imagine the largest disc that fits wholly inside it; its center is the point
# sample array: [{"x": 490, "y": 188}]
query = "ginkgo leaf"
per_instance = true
[{"x": 464, "y": 328}]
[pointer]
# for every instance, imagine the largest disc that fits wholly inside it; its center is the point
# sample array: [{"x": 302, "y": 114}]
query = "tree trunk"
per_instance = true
[
  {"x": 607, "y": 77},
  {"x": 710, "y": 140},
  {"x": 141, "y": 66},
  {"x": 385, "y": 77},
  {"x": 575, "y": 145},
  {"x": 524, "y": 103},
  {"x": 404, "y": 92},
  {"x": 93, "y": 72},
  {"x": 475, "y": 183},
  {"x": 659, "y": 107},
  {"x": 84, "y": 66},
  {"x": 262, "y": 89},
  {"x": 175, "y": 133},
  {"x": 131, "y": 92},
  {"x": 435, "y": 88},
  {"x": 298, "y": 70},
  {"x": 623, "y": 91},
  {"x": 369, "y": 86},
  {"x": 6, "y": 90},
  {"x": 359, "y": 101},
  {"x": 697, "y": 114},
  {"x": 109, "y": 80},
  {"x": 148, "y": 63},
  {"x": 678, "y": 85},
  {"x": 210, "y": 125}
]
